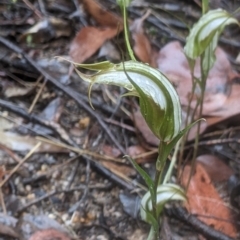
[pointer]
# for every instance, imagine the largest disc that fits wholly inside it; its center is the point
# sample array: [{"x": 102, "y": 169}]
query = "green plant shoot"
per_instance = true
[
  {"x": 203, "y": 37},
  {"x": 161, "y": 109},
  {"x": 201, "y": 43},
  {"x": 159, "y": 102}
]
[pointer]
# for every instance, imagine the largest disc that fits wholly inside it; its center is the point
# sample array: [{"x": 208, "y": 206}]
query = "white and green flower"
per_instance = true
[{"x": 159, "y": 102}]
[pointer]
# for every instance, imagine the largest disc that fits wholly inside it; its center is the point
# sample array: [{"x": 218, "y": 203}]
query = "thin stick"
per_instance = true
[
  {"x": 80, "y": 151},
  {"x": 120, "y": 124},
  {"x": 10, "y": 153},
  {"x": 2, "y": 202},
  {"x": 34, "y": 9},
  {"x": 38, "y": 94},
  {"x": 111, "y": 97},
  {"x": 20, "y": 164}
]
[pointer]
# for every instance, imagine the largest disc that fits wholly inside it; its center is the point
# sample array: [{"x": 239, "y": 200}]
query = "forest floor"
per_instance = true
[{"x": 62, "y": 172}]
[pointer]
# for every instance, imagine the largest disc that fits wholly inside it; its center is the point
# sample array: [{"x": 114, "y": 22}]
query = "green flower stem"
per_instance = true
[
  {"x": 161, "y": 161},
  {"x": 126, "y": 33},
  {"x": 173, "y": 161},
  {"x": 185, "y": 137},
  {"x": 201, "y": 101},
  {"x": 205, "y": 5},
  {"x": 151, "y": 235}
]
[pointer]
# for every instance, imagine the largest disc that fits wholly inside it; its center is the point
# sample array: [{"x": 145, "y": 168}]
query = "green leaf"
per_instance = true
[
  {"x": 165, "y": 193},
  {"x": 209, "y": 26},
  {"x": 159, "y": 102},
  {"x": 153, "y": 229},
  {"x": 204, "y": 6},
  {"x": 143, "y": 174},
  {"x": 150, "y": 219},
  {"x": 168, "y": 148}
]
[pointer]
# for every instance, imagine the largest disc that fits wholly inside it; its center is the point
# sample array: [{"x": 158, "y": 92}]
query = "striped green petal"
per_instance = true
[{"x": 159, "y": 102}]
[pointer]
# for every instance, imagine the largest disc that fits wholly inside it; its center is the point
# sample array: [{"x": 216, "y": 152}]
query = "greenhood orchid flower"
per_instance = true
[
  {"x": 206, "y": 31},
  {"x": 159, "y": 102},
  {"x": 203, "y": 37}
]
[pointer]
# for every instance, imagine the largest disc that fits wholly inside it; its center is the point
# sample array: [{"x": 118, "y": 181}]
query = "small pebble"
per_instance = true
[
  {"x": 31, "y": 196},
  {"x": 28, "y": 188},
  {"x": 56, "y": 174},
  {"x": 44, "y": 167},
  {"x": 52, "y": 216},
  {"x": 101, "y": 237},
  {"x": 16, "y": 180},
  {"x": 65, "y": 217},
  {"x": 117, "y": 214}
]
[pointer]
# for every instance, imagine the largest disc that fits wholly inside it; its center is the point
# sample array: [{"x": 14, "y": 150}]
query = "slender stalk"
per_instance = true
[
  {"x": 154, "y": 200},
  {"x": 201, "y": 101},
  {"x": 151, "y": 235},
  {"x": 126, "y": 34},
  {"x": 185, "y": 137},
  {"x": 173, "y": 161},
  {"x": 161, "y": 160},
  {"x": 205, "y": 5}
]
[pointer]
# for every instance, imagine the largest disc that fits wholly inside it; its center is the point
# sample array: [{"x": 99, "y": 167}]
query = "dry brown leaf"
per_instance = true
[
  {"x": 119, "y": 168},
  {"x": 142, "y": 47},
  {"x": 17, "y": 142},
  {"x": 216, "y": 169},
  {"x": 114, "y": 167},
  {"x": 229, "y": 109},
  {"x": 111, "y": 151},
  {"x": 173, "y": 63},
  {"x": 16, "y": 91},
  {"x": 8, "y": 231},
  {"x": 49, "y": 234},
  {"x": 136, "y": 150},
  {"x": 204, "y": 200},
  {"x": 102, "y": 16},
  {"x": 88, "y": 41}
]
